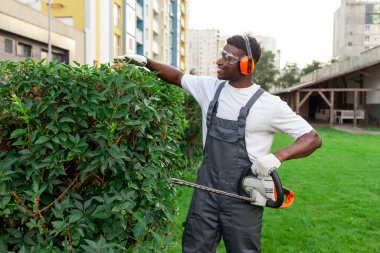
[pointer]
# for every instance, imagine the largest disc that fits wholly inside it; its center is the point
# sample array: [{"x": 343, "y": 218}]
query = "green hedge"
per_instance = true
[
  {"x": 192, "y": 144},
  {"x": 85, "y": 153}
]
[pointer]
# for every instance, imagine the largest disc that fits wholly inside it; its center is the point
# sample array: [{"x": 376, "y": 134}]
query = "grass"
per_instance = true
[{"x": 337, "y": 204}]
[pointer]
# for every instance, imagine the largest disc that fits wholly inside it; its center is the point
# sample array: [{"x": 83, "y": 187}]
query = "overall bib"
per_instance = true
[{"x": 212, "y": 216}]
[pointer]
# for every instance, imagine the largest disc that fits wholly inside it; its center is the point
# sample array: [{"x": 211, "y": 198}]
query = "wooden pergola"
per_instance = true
[{"x": 330, "y": 102}]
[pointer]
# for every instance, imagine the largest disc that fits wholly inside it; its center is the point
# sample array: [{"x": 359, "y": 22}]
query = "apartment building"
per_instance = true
[
  {"x": 154, "y": 28},
  {"x": 356, "y": 27},
  {"x": 203, "y": 48},
  {"x": 24, "y": 32},
  {"x": 269, "y": 43}
]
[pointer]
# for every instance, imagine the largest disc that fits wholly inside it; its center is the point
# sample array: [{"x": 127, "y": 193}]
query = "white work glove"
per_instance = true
[
  {"x": 265, "y": 165},
  {"x": 135, "y": 59},
  {"x": 260, "y": 189}
]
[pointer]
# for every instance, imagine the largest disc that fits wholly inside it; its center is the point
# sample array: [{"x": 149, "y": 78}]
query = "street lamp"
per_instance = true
[
  {"x": 49, "y": 33},
  {"x": 51, "y": 5}
]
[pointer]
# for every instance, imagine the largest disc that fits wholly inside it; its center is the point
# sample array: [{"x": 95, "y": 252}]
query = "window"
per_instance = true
[
  {"x": 44, "y": 55},
  {"x": 366, "y": 38},
  {"x": 367, "y": 28},
  {"x": 116, "y": 15},
  {"x": 372, "y": 14},
  {"x": 8, "y": 46},
  {"x": 349, "y": 44},
  {"x": 116, "y": 44},
  {"x": 59, "y": 57},
  {"x": 24, "y": 50}
]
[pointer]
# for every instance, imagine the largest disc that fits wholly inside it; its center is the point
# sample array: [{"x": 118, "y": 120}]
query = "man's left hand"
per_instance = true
[{"x": 265, "y": 165}]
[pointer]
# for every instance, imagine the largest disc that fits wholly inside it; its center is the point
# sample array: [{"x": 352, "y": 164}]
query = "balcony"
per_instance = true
[
  {"x": 156, "y": 27},
  {"x": 139, "y": 36},
  {"x": 139, "y": 12},
  {"x": 156, "y": 7},
  {"x": 156, "y": 48}
]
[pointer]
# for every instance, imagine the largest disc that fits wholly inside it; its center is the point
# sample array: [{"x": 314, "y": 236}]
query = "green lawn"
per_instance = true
[{"x": 337, "y": 204}]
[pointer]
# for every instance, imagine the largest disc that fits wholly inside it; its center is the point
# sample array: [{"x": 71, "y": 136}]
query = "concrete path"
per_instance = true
[{"x": 354, "y": 130}]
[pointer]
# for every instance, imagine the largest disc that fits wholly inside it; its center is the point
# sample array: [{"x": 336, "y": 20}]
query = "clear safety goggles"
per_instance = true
[{"x": 228, "y": 57}]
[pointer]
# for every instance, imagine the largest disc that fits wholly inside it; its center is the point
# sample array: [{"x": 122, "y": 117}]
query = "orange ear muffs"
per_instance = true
[{"x": 246, "y": 63}]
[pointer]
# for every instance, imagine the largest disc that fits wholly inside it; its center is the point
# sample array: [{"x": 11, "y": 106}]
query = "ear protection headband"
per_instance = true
[{"x": 246, "y": 63}]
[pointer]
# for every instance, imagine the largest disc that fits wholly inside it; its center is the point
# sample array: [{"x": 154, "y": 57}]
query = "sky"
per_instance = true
[{"x": 303, "y": 28}]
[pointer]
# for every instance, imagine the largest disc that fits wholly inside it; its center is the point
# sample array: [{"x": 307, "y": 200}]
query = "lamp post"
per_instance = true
[{"x": 49, "y": 33}]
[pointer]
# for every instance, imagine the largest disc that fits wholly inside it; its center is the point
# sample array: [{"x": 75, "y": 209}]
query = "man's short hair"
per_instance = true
[{"x": 238, "y": 42}]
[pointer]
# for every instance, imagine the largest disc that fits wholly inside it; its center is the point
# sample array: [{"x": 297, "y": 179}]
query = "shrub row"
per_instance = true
[{"x": 85, "y": 154}]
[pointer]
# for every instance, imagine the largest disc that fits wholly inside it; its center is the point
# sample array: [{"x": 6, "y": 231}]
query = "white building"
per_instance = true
[
  {"x": 356, "y": 27},
  {"x": 270, "y": 44},
  {"x": 203, "y": 51}
]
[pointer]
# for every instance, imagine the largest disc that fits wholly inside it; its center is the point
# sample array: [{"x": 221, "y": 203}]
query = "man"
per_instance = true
[{"x": 239, "y": 120}]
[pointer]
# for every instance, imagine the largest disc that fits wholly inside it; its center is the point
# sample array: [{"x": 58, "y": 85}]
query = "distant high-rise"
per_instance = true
[
  {"x": 270, "y": 44},
  {"x": 356, "y": 27},
  {"x": 203, "y": 51},
  {"x": 204, "y": 46}
]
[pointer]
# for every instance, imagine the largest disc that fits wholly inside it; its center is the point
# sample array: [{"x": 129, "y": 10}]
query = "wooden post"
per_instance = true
[
  {"x": 332, "y": 116},
  {"x": 298, "y": 102},
  {"x": 305, "y": 98},
  {"x": 355, "y": 106}
]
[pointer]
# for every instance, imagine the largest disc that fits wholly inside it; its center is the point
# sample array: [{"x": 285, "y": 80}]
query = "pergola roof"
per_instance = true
[{"x": 344, "y": 67}]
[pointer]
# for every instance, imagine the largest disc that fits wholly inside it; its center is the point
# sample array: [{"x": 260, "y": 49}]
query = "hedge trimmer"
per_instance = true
[{"x": 252, "y": 189}]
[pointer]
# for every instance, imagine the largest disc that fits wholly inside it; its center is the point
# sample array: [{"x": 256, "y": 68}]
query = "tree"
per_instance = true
[
  {"x": 333, "y": 60},
  {"x": 290, "y": 75},
  {"x": 265, "y": 71},
  {"x": 311, "y": 67}
]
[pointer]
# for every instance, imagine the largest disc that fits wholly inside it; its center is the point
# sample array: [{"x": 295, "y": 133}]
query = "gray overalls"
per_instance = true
[{"x": 212, "y": 216}]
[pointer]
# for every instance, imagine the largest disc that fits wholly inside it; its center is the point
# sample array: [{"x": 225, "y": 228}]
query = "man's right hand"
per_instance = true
[{"x": 135, "y": 59}]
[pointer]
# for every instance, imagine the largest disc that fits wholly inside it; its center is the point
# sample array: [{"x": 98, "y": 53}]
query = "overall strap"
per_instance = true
[
  {"x": 214, "y": 104},
  {"x": 245, "y": 110}
]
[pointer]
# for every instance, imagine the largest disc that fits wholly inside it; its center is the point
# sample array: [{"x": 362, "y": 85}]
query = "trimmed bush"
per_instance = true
[{"x": 85, "y": 153}]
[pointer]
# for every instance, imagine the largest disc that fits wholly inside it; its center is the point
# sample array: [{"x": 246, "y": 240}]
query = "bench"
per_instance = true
[
  {"x": 349, "y": 114},
  {"x": 324, "y": 114}
]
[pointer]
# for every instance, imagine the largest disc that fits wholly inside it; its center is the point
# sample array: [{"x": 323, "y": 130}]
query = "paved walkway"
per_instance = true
[
  {"x": 354, "y": 130},
  {"x": 345, "y": 128}
]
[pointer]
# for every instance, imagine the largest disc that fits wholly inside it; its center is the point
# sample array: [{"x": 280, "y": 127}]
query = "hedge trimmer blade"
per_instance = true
[
  {"x": 278, "y": 202},
  {"x": 209, "y": 189}
]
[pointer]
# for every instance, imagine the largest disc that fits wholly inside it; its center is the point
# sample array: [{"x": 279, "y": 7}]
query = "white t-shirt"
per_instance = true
[{"x": 268, "y": 115}]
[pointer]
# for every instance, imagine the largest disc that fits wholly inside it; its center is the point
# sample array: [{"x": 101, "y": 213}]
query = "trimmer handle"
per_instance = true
[{"x": 279, "y": 192}]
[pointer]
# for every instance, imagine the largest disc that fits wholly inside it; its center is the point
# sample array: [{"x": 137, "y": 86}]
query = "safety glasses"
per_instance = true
[{"x": 228, "y": 57}]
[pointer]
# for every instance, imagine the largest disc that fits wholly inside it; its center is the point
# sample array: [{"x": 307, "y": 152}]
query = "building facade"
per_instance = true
[
  {"x": 155, "y": 28},
  {"x": 25, "y": 32},
  {"x": 356, "y": 27}
]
